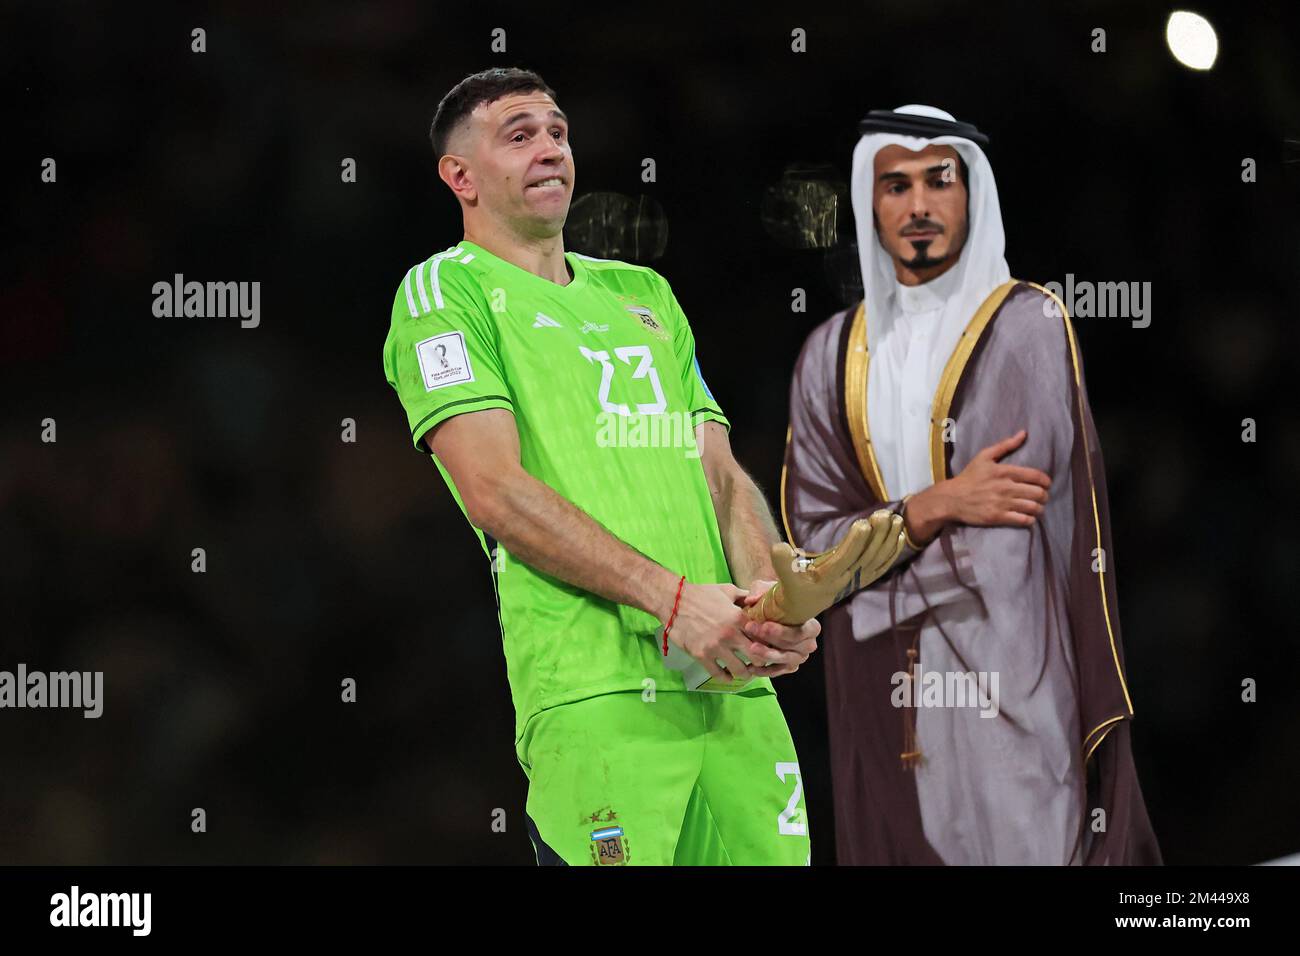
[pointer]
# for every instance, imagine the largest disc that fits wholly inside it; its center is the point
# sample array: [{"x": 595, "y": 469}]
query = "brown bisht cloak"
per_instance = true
[{"x": 1049, "y": 776}]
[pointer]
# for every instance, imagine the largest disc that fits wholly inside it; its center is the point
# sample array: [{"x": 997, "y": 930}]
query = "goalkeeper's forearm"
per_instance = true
[
  {"x": 543, "y": 529},
  {"x": 747, "y": 527}
]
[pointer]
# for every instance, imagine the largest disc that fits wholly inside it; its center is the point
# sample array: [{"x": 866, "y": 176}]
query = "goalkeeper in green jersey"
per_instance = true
[{"x": 564, "y": 406}]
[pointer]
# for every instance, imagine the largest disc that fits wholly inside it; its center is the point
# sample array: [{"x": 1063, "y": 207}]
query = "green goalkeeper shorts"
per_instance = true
[{"x": 680, "y": 779}]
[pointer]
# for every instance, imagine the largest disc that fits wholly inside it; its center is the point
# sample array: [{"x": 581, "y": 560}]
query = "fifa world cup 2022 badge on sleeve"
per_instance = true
[{"x": 609, "y": 845}]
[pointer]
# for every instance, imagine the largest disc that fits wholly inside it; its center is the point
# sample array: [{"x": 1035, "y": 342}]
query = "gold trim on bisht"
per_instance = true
[
  {"x": 1109, "y": 724},
  {"x": 1096, "y": 517},
  {"x": 939, "y": 466},
  {"x": 855, "y": 402},
  {"x": 952, "y": 374},
  {"x": 785, "y": 521}
]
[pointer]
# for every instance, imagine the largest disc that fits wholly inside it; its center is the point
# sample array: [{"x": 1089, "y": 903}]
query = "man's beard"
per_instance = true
[{"x": 923, "y": 259}]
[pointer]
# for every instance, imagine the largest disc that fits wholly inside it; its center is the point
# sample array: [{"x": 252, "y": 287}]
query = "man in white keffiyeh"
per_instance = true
[{"x": 979, "y": 710}]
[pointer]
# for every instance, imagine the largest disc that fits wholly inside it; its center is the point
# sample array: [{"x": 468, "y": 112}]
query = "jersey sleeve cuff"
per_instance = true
[
  {"x": 701, "y": 415},
  {"x": 446, "y": 410}
]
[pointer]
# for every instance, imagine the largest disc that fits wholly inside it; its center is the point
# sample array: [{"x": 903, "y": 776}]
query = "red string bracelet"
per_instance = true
[{"x": 673, "y": 616}]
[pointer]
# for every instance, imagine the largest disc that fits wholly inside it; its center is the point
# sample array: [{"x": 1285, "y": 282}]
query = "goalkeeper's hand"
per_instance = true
[
  {"x": 709, "y": 626},
  {"x": 794, "y": 643},
  {"x": 809, "y": 584}
]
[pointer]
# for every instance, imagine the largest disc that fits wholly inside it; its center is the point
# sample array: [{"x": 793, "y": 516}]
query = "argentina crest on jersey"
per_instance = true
[{"x": 649, "y": 320}]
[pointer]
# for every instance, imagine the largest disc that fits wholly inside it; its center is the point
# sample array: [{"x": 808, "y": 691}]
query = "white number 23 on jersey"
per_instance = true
[{"x": 644, "y": 369}]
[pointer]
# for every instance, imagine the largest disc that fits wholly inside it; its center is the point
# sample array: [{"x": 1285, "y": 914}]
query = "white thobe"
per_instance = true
[{"x": 899, "y": 387}]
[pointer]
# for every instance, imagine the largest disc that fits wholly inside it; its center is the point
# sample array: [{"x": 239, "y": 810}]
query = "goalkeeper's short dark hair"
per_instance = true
[{"x": 485, "y": 87}]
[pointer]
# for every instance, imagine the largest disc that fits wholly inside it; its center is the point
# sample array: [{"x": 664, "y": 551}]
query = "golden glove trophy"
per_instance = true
[{"x": 808, "y": 584}]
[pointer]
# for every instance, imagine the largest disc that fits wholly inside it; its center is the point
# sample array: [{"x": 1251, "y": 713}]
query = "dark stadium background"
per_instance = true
[{"x": 329, "y": 560}]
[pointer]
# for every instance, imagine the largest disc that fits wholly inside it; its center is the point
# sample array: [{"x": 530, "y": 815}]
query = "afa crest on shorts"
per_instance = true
[{"x": 608, "y": 846}]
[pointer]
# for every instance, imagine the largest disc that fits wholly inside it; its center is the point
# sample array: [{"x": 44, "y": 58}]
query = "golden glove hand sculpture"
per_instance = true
[{"x": 809, "y": 584}]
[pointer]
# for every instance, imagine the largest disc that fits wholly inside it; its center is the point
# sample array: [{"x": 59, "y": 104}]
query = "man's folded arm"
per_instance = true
[{"x": 1022, "y": 380}]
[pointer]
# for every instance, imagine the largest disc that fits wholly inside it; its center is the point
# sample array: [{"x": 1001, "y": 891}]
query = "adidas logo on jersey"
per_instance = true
[{"x": 543, "y": 321}]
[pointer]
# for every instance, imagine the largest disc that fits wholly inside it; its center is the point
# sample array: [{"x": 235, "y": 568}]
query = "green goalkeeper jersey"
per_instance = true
[{"x": 605, "y": 389}]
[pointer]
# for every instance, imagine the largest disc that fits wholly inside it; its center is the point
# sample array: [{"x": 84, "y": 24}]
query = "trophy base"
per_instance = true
[{"x": 696, "y": 677}]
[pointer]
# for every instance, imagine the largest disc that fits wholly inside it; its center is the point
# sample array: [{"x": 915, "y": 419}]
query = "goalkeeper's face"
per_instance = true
[{"x": 522, "y": 163}]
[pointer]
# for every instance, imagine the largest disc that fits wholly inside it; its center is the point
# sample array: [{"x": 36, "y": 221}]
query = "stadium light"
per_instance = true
[{"x": 1191, "y": 40}]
